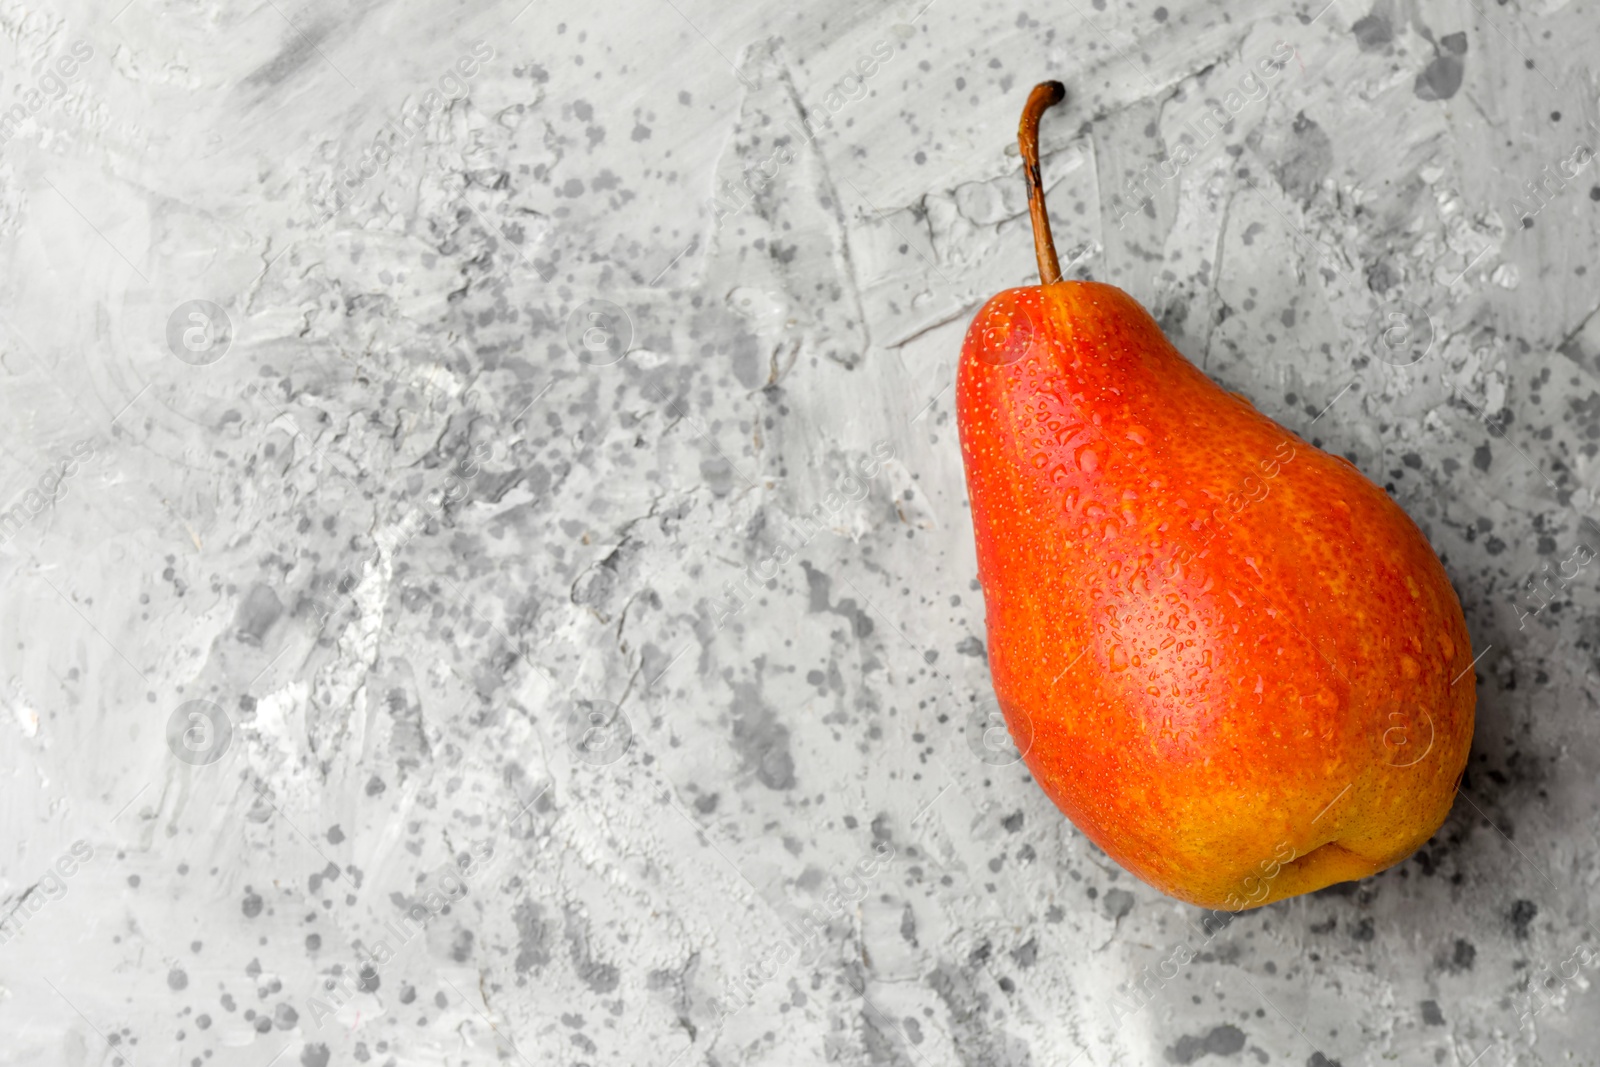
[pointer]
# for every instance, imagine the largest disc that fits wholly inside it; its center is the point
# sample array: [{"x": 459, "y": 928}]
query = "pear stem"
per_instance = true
[{"x": 1045, "y": 95}]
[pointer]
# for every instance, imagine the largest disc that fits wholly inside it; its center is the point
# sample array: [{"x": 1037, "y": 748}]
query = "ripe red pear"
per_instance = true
[{"x": 1234, "y": 662}]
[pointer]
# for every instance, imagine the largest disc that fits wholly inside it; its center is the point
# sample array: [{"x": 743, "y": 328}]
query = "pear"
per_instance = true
[{"x": 1239, "y": 667}]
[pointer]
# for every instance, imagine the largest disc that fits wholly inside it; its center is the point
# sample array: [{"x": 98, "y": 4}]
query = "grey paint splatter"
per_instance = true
[
  {"x": 1224, "y": 1040},
  {"x": 1372, "y": 32},
  {"x": 760, "y": 739},
  {"x": 1442, "y": 77}
]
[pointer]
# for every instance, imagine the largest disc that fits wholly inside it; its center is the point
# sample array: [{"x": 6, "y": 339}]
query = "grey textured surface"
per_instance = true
[{"x": 653, "y": 685}]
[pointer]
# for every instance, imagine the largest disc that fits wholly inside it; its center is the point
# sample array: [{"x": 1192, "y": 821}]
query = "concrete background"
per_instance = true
[{"x": 398, "y": 531}]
